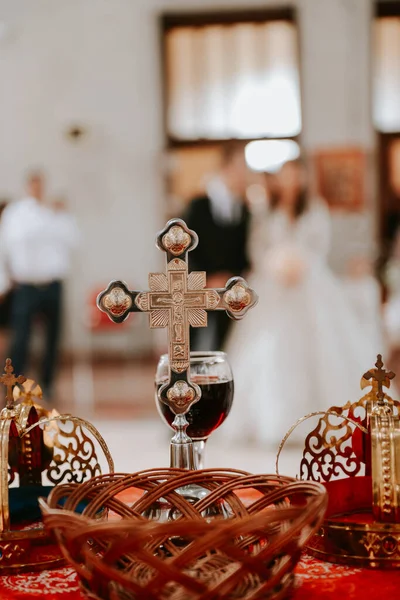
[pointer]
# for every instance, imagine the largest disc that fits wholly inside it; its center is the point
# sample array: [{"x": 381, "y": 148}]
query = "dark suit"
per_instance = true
[
  {"x": 391, "y": 228},
  {"x": 221, "y": 248},
  {"x": 5, "y": 311}
]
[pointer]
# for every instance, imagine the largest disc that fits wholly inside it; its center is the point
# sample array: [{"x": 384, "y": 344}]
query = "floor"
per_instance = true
[
  {"x": 121, "y": 405},
  {"x": 115, "y": 390},
  {"x": 136, "y": 445},
  {"x": 118, "y": 397}
]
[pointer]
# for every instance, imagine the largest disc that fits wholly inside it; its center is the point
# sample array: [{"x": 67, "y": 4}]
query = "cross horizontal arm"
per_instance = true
[
  {"x": 117, "y": 301},
  {"x": 236, "y": 298}
]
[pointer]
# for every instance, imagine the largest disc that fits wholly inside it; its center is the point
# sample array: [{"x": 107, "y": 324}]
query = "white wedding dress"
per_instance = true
[{"x": 302, "y": 348}]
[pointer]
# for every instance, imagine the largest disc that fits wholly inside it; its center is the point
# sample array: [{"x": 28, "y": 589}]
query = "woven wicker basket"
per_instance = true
[{"x": 196, "y": 556}]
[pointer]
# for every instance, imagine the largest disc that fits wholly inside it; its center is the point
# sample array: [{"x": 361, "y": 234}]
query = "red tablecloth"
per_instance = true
[{"x": 314, "y": 580}]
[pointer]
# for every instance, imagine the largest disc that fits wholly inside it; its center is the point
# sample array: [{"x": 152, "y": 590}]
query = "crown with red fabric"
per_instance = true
[
  {"x": 38, "y": 449},
  {"x": 355, "y": 451}
]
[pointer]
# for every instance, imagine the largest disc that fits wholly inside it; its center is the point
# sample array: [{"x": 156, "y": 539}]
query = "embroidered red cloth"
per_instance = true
[{"x": 315, "y": 580}]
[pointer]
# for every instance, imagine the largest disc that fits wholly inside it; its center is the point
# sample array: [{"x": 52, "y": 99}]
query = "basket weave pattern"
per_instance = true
[{"x": 197, "y": 556}]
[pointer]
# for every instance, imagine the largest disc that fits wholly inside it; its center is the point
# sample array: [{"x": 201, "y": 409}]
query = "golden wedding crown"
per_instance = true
[
  {"x": 39, "y": 449},
  {"x": 354, "y": 450}
]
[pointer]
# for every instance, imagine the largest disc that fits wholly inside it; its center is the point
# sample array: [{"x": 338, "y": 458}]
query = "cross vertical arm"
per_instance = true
[
  {"x": 178, "y": 300},
  {"x": 167, "y": 303}
]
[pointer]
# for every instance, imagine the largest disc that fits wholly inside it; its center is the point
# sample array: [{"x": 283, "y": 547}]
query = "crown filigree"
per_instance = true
[
  {"x": 39, "y": 449},
  {"x": 355, "y": 451}
]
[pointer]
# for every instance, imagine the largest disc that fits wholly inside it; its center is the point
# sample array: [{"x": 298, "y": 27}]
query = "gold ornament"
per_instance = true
[
  {"x": 38, "y": 449},
  {"x": 355, "y": 451}
]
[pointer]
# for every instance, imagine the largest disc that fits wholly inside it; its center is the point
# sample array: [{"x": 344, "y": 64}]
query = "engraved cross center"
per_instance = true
[{"x": 178, "y": 300}]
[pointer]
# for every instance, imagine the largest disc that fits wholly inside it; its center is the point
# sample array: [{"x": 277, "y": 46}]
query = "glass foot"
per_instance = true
[{"x": 163, "y": 511}]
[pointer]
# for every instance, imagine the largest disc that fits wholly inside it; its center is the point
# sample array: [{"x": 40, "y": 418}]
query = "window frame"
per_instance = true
[
  {"x": 172, "y": 20},
  {"x": 384, "y": 8}
]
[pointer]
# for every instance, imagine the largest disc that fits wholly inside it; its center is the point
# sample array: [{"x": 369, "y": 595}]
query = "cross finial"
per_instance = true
[
  {"x": 9, "y": 379},
  {"x": 381, "y": 376}
]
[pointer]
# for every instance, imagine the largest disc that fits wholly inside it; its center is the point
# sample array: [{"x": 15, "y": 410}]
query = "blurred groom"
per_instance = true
[{"x": 221, "y": 219}]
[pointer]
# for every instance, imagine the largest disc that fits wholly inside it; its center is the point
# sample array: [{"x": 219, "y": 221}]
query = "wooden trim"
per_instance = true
[
  {"x": 387, "y": 8},
  {"x": 299, "y": 61},
  {"x": 174, "y": 143},
  {"x": 201, "y": 19},
  {"x": 382, "y": 183},
  {"x": 164, "y": 76},
  {"x": 384, "y": 141}
]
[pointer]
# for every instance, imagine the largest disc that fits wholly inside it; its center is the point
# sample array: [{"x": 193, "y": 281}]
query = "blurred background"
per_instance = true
[{"x": 124, "y": 108}]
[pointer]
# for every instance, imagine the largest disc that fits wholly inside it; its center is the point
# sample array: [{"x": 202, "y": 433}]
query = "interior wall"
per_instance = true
[{"x": 96, "y": 64}]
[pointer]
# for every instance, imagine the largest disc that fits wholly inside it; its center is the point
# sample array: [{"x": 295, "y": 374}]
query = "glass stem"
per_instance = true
[
  {"x": 199, "y": 448},
  {"x": 182, "y": 453}
]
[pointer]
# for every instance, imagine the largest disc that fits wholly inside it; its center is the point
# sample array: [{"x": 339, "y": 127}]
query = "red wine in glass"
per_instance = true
[{"x": 209, "y": 412}]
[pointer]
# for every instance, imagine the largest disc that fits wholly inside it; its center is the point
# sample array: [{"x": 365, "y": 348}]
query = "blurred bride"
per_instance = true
[{"x": 302, "y": 348}]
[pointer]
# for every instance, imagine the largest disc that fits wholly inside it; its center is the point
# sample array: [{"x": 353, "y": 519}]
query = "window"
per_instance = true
[
  {"x": 386, "y": 114},
  {"x": 232, "y": 76},
  {"x": 233, "y": 81},
  {"x": 387, "y": 73}
]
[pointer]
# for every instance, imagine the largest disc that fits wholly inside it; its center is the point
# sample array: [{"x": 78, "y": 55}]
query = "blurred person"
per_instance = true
[
  {"x": 392, "y": 306},
  {"x": 365, "y": 296},
  {"x": 36, "y": 241},
  {"x": 391, "y": 223},
  {"x": 5, "y": 304},
  {"x": 301, "y": 349},
  {"x": 5, "y": 301},
  {"x": 389, "y": 250},
  {"x": 221, "y": 220}
]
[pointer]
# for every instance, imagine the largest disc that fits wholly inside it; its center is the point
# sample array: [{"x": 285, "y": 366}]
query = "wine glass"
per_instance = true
[{"x": 212, "y": 373}]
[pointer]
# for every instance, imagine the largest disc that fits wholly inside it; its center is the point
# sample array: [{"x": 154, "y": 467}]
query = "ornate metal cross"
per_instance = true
[
  {"x": 177, "y": 300},
  {"x": 9, "y": 379},
  {"x": 381, "y": 376}
]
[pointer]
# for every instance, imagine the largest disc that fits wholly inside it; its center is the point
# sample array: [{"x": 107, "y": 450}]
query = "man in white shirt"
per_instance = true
[{"x": 36, "y": 242}]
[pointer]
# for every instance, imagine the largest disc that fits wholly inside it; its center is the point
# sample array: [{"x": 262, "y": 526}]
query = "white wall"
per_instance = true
[
  {"x": 96, "y": 63},
  {"x": 90, "y": 62},
  {"x": 336, "y": 76},
  {"x": 335, "y": 47}
]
